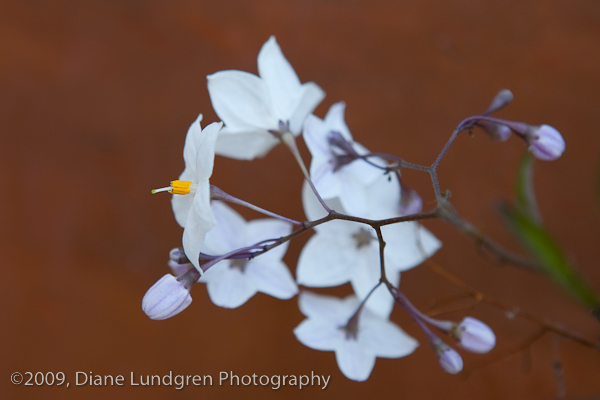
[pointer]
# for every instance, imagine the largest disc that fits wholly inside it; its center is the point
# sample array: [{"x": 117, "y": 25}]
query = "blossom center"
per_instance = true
[
  {"x": 362, "y": 238},
  {"x": 177, "y": 187}
]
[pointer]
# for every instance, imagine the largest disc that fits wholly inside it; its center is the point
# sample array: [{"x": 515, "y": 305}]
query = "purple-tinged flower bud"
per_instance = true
[
  {"x": 474, "y": 336},
  {"x": 410, "y": 202},
  {"x": 502, "y": 99},
  {"x": 179, "y": 269},
  {"x": 178, "y": 255},
  {"x": 497, "y": 132},
  {"x": 449, "y": 359},
  {"x": 169, "y": 296},
  {"x": 545, "y": 142}
]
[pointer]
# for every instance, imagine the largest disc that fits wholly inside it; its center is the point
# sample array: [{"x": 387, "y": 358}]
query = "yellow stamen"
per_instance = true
[{"x": 177, "y": 187}]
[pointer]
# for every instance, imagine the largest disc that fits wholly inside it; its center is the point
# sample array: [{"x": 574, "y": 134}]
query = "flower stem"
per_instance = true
[{"x": 218, "y": 194}]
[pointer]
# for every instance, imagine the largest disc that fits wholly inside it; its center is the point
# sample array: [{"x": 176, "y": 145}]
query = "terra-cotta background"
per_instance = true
[{"x": 95, "y": 101}]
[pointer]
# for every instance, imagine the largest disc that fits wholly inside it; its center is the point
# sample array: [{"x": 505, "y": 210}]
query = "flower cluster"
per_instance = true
[{"x": 355, "y": 200}]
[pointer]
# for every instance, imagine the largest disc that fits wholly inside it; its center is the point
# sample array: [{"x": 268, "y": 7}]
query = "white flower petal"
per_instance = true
[
  {"x": 200, "y": 220},
  {"x": 381, "y": 302},
  {"x": 244, "y": 144},
  {"x": 313, "y": 208},
  {"x": 310, "y": 97},
  {"x": 228, "y": 234},
  {"x": 280, "y": 78},
  {"x": 385, "y": 338},
  {"x": 403, "y": 250},
  {"x": 320, "y": 265},
  {"x": 241, "y": 99},
  {"x": 315, "y": 136},
  {"x": 327, "y": 308},
  {"x": 318, "y": 335},
  {"x": 229, "y": 287},
  {"x": 182, "y": 204},
  {"x": 355, "y": 361},
  {"x": 205, "y": 157},
  {"x": 191, "y": 146},
  {"x": 269, "y": 228},
  {"x": 271, "y": 277},
  {"x": 335, "y": 120}
]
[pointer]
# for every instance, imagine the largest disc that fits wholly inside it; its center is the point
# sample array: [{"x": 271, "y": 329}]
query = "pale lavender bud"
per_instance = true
[
  {"x": 449, "y": 359},
  {"x": 178, "y": 255},
  {"x": 502, "y": 99},
  {"x": 166, "y": 298},
  {"x": 545, "y": 142},
  {"x": 497, "y": 132},
  {"x": 179, "y": 269},
  {"x": 410, "y": 202},
  {"x": 475, "y": 336}
]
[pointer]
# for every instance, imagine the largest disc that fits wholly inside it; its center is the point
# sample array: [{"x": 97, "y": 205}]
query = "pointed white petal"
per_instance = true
[
  {"x": 244, "y": 144},
  {"x": 403, "y": 239},
  {"x": 335, "y": 120},
  {"x": 364, "y": 280},
  {"x": 200, "y": 220},
  {"x": 228, "y": 234},
  {"x": 280, "y": 78},
  {"x": 384, "y": 338},
  {"x": 241, "y": 99},
  {"x": 319, "y": 335},
  {"x": 182, "y": 204},
  {"x": 327, "y": 308},
  {"x": 322, "y": 263},
  {"x": 269, "y": 228},
  {"x": 190, "y": 149},
  {"x": 310, "y": 97},
  {"x": 313, "y": 208},
  {"x": 271, "y": 277},
  {"x": 315, "y": 136},
  {"x": 355, "y": 361},
  {"x": 205, "y": 157},
  {"x": 229, "y": 287}
]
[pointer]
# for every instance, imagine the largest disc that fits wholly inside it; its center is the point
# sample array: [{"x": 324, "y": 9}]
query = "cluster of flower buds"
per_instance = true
[{"x": 236, "y": 258}]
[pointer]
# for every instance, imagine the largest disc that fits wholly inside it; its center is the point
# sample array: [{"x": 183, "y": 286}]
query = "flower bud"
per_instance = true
[
  {"x": 497, "y": 132},
  {"x": 449, "y": 359},
  {"x": 166, "y": 298},
  {"x": 179, "y": 269},
  {"x": 410, "y": 202},
  {"x": 178, "y": 255},
  {"x": 502, "y": 99},
  {"x": 475, "y": 336},
  {"x": 545, "y": 142}
]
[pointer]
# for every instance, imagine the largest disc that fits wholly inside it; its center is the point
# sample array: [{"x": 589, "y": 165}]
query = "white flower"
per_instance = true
[
  {"x": 191, "y": 193},
  {"x": 166, "y": 298},
  {"x": 250, "y": 106},
  {"x": 333, "y": 174},
  {"x": 356, "y": 344},
  {"x": 230, "y": 283},
  {"x": 344, "y": 251}
]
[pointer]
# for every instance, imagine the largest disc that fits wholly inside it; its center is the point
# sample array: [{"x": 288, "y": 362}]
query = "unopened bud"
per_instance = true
[
  {"x": 502, "y": 99},
  {"x": 179, "y": 269},
  {"x": 449, "y": 359},
  {"x": 545, "y": 142},
  {"x": 166, "y": 298},
  {"x": 497, "y": 132},
  {"x": 178, "y": 255},
  {"x": 475, "y": 336},
  {"x": 410, "y": 202}
]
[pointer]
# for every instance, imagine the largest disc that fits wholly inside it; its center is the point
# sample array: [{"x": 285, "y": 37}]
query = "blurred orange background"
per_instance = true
[{"x": 95, "y": 101}]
